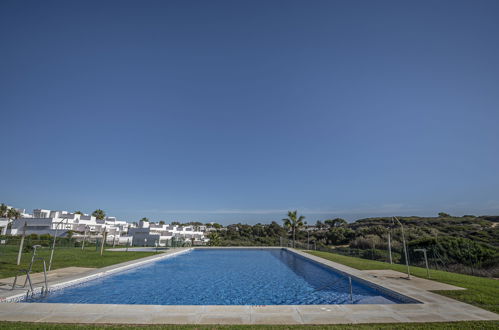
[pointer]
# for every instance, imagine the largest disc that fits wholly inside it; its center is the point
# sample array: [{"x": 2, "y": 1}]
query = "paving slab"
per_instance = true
[
  {"x": 52, "y": 275},
  {"x": 225, "y": 318},
  {"x": 38, "y": 279},
  {"x": 421, "y": 283}
]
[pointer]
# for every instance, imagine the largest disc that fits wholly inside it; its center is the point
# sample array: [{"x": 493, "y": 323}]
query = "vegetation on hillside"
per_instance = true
[{"x": 467, "y": 244}]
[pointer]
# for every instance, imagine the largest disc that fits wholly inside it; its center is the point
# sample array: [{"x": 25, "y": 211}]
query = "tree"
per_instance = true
[
  {"x": 144, "y": 219},
  {"x": 443, "y": 215},
  {"x": 214, "y": 239},
  {"x": 337, "y": 222},
  {"x": 79, "y": 212},
  {"x": 161, "y": 222},
  {"x": 339, "y": 235},
  {"x": 293, "y": 222},
  {"x": 3, "y": 210},
  {"x": 12, "y": 213},
  {"x": 99, "y": 214}
]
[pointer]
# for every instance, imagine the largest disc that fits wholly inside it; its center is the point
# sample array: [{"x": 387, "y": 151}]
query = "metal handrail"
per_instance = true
[
  {"x": 28, "y": 279},
  {"x": 45, "y": 288}
]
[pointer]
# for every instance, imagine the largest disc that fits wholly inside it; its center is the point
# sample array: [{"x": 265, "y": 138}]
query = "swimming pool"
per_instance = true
[{"x": 227, "y": 277}]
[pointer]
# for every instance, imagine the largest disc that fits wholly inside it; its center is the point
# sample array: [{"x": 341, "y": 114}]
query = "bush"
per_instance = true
[{"x": 454, "y": 250}]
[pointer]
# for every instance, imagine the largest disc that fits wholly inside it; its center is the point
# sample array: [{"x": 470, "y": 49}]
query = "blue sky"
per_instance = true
[{"x": 237, "y": 111}]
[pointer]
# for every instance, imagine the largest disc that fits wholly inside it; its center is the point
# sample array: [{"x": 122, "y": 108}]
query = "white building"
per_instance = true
[
  {"x": 150, "y": 234},
  {"x": 4, "y": 223},
  {"x": 60, "y": 222}
]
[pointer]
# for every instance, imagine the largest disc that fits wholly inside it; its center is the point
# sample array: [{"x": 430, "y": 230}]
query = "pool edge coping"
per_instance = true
[{"x": 248, "y": 314}]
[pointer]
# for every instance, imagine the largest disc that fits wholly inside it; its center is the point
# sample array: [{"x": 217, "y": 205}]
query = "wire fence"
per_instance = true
[{"x": 434, "y": 260}]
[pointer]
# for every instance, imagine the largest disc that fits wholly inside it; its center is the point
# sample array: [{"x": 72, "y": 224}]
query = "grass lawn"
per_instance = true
[
  {"x": 63, "y": 257},
  {"x": 481, "y": 292},
  {"x": 402, "y": 326}
]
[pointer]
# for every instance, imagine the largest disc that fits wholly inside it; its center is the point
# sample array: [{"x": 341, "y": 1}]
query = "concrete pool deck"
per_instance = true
[{"x": 433, "y": 307}]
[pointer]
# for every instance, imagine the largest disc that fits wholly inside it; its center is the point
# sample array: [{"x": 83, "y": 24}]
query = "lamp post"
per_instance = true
[
  {"x": 425, "y": 260},
  {"x": 53, "y": 243},
  {"x": 405, "y": 248}
]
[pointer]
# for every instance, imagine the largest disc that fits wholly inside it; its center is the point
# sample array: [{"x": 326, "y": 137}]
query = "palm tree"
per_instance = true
[
  {"x": 79, "y": 212},
  {"x": 99, "y": 214},
  {"x": 12, "y": 213},
  {"x": 293, "y": 222},
  {"x": 3, "y": 210}
]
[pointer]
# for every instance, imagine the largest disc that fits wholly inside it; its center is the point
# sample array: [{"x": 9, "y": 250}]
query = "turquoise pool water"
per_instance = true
[{"x": 227, "y": 277}]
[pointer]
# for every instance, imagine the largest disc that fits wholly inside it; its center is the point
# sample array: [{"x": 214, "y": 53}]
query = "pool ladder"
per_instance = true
[
  {"x": 332, "y": 284},
  {"x": 27, "y": 280}
]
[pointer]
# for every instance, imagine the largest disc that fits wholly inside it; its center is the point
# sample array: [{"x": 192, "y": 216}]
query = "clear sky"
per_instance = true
[{"x": 241, "y": 110}]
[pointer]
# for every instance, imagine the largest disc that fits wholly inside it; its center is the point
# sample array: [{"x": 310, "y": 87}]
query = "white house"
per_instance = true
[
  {"x": 150, "y": 234},
  {"x": 60, "y": 222},
  {"x": 4, "y": 223}
]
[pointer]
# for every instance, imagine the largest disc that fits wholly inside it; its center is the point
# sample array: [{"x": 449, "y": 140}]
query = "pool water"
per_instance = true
[{"x": 226, "y": 277}]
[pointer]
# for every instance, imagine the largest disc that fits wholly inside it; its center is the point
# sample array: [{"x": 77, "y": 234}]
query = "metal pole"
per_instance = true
[
  {"x": 127, "y": 243},
  {"x": 405, "y": 249},
  {"x": 19, "y": 255},
  {"x": 45, "y": 277},
  {"x": 84, "y": 237},
  {"x": 425, "y": 260},
  {"x": 31, "y": 263},
  {"x": 308, "y": 240},
  {"x": 390, "y": 248},
  {"x": 104, "y": 237},
  {"x": 53, "y": 244}
]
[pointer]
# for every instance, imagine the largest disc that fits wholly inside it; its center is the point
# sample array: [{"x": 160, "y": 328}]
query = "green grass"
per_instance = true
[
  {"x": 63, "y": 257},
  {"x": 481, "y": 292},
  {"x": 397, "y": 326}
]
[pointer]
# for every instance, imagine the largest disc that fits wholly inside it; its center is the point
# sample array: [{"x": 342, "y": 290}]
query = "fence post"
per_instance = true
[
  {"x": 21, "y": 245},
  {"x": 104, "y": 236},
  {"x": 84, "y": 236},
  {"x": 425, "y": 260}
]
